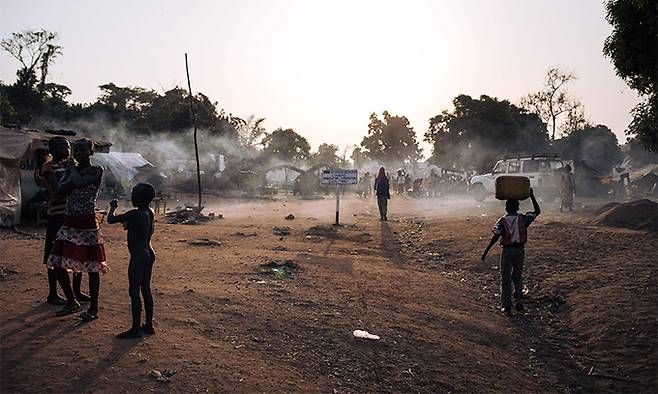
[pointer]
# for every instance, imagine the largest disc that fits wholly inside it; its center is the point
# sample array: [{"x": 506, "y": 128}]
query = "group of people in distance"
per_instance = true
[
  {"x": 74, "y": 242},
  {"x": 511, "y": 230}
]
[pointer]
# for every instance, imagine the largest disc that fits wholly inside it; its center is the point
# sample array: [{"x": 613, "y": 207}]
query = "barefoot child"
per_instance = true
[
  {"x": 140, "y": 223},
  {"x": 513, "y": 230},
  {"x": 51, "y": 173},
  {"x": 79, "y": 243}
]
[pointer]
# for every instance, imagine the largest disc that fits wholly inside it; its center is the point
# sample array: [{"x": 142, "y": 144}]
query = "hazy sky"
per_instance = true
[{"x": 322, "y": 67}]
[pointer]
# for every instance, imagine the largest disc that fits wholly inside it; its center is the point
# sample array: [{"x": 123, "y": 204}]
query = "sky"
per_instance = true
[{"x": 322, "y": 67}]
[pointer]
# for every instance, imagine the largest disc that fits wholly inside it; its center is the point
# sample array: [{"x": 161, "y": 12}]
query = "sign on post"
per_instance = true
[{"x": 339, "y": 177}]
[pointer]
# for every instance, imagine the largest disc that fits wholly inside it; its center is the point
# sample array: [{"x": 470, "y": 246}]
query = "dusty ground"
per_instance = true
[{"x": 225, "y": 323}]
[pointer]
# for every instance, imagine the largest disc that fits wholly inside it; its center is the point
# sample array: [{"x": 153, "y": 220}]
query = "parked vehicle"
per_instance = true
[{"x": 543, "y": 172}]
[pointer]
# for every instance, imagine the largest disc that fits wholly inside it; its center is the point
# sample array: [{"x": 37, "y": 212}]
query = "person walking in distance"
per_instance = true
[{"x": 382, "y": 190}]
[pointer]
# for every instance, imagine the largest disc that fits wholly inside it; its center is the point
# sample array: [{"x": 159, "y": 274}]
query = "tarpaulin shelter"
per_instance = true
[
  {"x": 17, "y": 162},
  {"x": 126, "y": 168}
]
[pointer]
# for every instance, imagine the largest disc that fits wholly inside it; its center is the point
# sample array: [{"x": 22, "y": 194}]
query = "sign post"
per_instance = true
[{"x": 339, "y": 177}]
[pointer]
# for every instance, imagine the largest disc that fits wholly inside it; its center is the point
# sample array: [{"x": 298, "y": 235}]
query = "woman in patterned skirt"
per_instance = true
[{"x": 79, "y": 243}]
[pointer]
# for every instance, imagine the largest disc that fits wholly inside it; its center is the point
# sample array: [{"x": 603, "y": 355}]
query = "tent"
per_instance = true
[
  {"x": 125, "y": 169},
  {"x": 17, "y": 164}
]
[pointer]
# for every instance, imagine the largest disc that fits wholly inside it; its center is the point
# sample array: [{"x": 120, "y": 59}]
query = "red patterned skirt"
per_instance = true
[{"x": 79, "y": 246}]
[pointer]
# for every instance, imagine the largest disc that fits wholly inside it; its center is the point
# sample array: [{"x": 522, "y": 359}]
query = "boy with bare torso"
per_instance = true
[{"x": 140, "y": 224}]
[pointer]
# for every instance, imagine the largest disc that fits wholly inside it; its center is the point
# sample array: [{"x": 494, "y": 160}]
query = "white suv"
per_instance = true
[{"x": 543, "y": 172}]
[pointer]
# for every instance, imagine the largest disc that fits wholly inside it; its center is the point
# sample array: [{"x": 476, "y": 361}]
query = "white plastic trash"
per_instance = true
[{"x": 364, "y": 334}]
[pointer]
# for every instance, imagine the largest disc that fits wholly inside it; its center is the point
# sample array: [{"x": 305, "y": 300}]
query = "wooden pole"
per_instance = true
[{"x": 196, "y": 145}]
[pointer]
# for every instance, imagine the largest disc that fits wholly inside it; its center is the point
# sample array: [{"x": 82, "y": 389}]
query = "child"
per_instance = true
[
  {"x": 513, "y": 230},
  {"x": 140, "y": 223},
  {"x": 51, "y": 173},
  {"x": 79, "y": 243}
]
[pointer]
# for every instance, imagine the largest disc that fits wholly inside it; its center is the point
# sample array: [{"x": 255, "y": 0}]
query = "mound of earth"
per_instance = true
[{"x": 635, "y": 215}]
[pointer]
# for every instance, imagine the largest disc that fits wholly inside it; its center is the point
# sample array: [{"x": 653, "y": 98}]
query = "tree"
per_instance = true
[
  {"x": 553, "y": 103},
  {"x": 391, "y": 140},
  {"x": 358, "y": 157},
  {"x": 596, "y": 145},
  {"x": 249, "y": 130},
  {"x": 285, "y": 144},
  {"x": 33, "y": 48},
  {"x": 480, "y": 131},
  {"x": 327, "y": 154},
  {"x": 633, "y": 48}
]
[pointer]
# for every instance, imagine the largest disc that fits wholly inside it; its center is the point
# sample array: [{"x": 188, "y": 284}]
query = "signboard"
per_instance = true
[{"x": 339, "y": 177}]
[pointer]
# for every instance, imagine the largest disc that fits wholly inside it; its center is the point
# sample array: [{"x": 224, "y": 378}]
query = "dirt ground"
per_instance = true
[{"x": 239, "y": 308}]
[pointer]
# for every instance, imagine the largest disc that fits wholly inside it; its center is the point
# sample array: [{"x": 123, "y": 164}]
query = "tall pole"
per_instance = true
[
  {"x": 337, "y": 202},
  {"x": 196, "y": 145}
]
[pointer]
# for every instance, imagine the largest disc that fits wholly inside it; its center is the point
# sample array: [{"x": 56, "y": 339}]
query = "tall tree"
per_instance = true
[
  {"x": 33, "y": 49},
  {"x": 391, "y": 140},
  {"x": 554, "y": 103},
  {"x": 285, "y": 144},
  {"x": 250, "y": 130},
  {"x": 327, "y": 154},
  {"x": 633, "y": 49},
  {"x": 358, "y": 157},
  {"x": 480, "y": 131}
]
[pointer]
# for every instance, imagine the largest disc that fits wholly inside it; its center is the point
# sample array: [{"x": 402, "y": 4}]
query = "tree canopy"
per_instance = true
[
  {"x": 596, "y": 145},
  {"x": 633, "y": 49},
  {"x": 391, "y": 140},
  {"x": 553, "y": 103},
  {"x": 479, "y": 131},
  {"x": 286, "y": 145}
]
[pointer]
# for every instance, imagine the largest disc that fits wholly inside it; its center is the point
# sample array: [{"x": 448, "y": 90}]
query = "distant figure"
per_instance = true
[
  {"x": 399, "y": 184},
  {"x": 513, "y": 229},
  {"x": 567, "y": 189},
  {"x": 79, "y": 243},
  {"x": 140, "y": 224},
  {"x": 52, "y": 171},
  {"x": 367, "y": 180},
  {"x": 382, "y": 190},
  {"x": 407, "y": 183}
]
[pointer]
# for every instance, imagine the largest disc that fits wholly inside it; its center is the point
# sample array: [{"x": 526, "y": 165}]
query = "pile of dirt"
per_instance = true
[
  {"x": 280, "y": 231},
  {"x": 204, "y": 242},
  {"x": 635, "y": 215},
  {"x": 241, "y": 234},
  {"x": 280, "y": 270},
  {"x": 322, "y": 231},
  {"x": 189, "y": 216}
]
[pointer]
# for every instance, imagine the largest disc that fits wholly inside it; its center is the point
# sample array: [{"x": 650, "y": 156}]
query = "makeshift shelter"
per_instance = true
[
  {"x": 17, "y": 164},
  {"x": 124, "y": 169}
]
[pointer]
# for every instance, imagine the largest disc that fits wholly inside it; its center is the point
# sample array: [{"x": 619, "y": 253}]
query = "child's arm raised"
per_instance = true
[
  {"x": 112, "y": 218},
  {"x": 535, "y": 204}
]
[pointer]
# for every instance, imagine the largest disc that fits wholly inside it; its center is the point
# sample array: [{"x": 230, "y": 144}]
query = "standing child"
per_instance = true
[
  {"x": 140, "y": 223},
  {"x": 51, "y": 173},
  {"x": 512, "y": 228},
  {"x": 79, "y": 243}
]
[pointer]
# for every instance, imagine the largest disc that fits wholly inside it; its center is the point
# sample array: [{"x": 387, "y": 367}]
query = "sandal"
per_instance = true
[
  {"x": 56, "y": 300},
  {"x": 68, "y": 310},
  {"x": 86, "y": 316}
]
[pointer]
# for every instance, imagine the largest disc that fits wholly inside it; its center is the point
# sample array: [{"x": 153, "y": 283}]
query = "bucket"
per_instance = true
[{"x": 512, "y": 187}]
